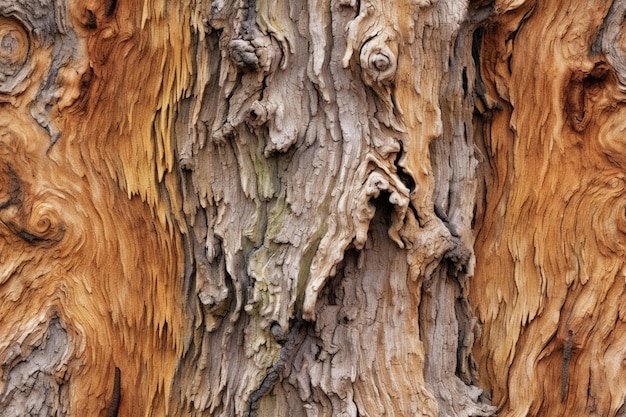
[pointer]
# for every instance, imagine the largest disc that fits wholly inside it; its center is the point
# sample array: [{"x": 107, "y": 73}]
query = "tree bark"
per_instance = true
[
  {"x": 332, "y": 250},
  {"x": 311, "y": 208},
  {"x": 549, "y": 284}
]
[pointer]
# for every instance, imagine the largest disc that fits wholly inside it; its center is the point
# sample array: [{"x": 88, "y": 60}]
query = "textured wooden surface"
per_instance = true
[
  {"x": 549, "y": 284},
  {"x": 311, "y": 208},
  {"x": 90, "y": 259},
  {"x": 312, "y": 198}
]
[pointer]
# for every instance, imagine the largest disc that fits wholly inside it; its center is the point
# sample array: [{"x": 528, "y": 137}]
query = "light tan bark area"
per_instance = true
[{"x": 549, "y": 285}]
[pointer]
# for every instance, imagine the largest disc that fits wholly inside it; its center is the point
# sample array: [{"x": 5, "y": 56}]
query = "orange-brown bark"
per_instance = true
[
  {"x": 549, "y": 285},
  {"x": 87, "y": 238}
]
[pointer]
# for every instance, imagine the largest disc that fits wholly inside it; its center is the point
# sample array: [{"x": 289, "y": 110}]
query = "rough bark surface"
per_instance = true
[
  {"x": 267, "y": 207},
  {"x": 549, "y": 284},
  {"x": 318, "y": 231},
  {"x": 89, "y": 253}
]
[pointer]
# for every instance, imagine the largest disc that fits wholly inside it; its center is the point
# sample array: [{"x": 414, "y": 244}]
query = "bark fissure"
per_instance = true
[{"x": 116, "y": 396}]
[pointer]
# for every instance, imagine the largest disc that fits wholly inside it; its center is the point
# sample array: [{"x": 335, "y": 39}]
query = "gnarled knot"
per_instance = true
[
  {"x": 378, "y": 60},
  {"x": 255, "y": 53},
  {"x": 259, "y": 113},
  {"x": 33, "y": 219},
  {"x": 44, "y": 223},
  {"x": 15, "y": 49}
]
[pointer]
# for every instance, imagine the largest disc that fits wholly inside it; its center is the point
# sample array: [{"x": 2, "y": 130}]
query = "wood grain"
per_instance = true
[
  {"x": 89, "y": 257},
  {"x": 312, "y": 208},
  {"x": 549, "y": 284}
]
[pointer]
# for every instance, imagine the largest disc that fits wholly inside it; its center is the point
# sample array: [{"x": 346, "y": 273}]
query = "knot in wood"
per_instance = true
[
  {"x": 378, "y": 61},
  {"x": 243, "y": 54},
  {"x": 33, "y": 217},
  {"x": 255, "y": 53},
  {"x": 14, "y": 49},
  {"x": 41, "y": 223},
  {"x": 258, "y": 113}
]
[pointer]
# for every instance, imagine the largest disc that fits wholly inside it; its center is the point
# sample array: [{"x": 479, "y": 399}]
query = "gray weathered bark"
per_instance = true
[{"x": 330, "y": 182}]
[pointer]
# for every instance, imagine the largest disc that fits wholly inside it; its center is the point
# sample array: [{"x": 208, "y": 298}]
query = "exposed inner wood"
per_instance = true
[{"x": 549, "y": 284}]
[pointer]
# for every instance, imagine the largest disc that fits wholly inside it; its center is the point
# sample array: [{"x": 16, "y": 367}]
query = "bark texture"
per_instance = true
[
  {"x": 549, "y": 284},
  {"x": 327, "y": 260},
  {"x": 267, "y": 207},
  {"x": 90, "y": 261}
]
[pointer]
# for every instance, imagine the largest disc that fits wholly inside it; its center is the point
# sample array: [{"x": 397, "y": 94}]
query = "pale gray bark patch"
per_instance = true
[
  {"x": 39, "y": 16},
  {"x": 35, "y": 23},
  {"x": 610, "y": 40},
  {"x": 34, "y": 377}
]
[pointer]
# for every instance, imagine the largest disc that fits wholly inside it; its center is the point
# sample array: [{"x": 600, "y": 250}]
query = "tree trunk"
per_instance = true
[{"x": 311, "y": 208}]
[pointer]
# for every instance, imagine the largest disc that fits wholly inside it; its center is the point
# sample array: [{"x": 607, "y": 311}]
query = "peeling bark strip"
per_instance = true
[{"x": 552, "y": 236}]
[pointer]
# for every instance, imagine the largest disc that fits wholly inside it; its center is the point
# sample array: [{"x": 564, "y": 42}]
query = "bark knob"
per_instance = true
[
  {"x": 378, "y": 61},
  {"x": 32, "y": 217},
  {"x": 14, "y": 51},
  {"x": 41, "y": 224},
  {"x": 255, "y": 54}
]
